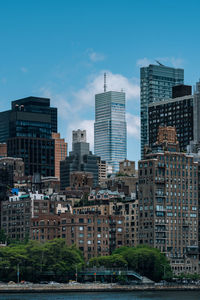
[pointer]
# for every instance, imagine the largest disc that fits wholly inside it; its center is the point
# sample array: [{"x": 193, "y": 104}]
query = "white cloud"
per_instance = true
[
  {"x": 143, "y": 62},
  {"x": 65, "y": 108},
  {"x": 133, "y": 125},
  {"x": 95, "y": 56},
  {"x": 177, "y": 62},
  {"x": 72, "y": 102},
  {"x": 115, "y": 82}
]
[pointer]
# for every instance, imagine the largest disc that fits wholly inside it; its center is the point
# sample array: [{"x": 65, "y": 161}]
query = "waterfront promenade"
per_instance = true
[{"x": 60, "y": 288}]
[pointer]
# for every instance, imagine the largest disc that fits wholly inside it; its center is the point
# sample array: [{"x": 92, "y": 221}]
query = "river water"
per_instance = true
[{"x": 146, "y": 295}]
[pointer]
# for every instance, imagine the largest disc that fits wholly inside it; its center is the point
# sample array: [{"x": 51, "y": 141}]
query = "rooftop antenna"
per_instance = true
[
  {"x": 160, "y": 63},
  {"x": 105, "y": 86}
]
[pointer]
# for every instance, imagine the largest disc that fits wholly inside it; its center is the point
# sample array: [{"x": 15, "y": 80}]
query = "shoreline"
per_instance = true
[{"x": 64, "y": 288}]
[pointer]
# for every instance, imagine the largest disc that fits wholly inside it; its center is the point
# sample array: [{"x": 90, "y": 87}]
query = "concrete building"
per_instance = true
[
  {"x": 79, "y": 159},
  {"x": 156, "y": 82},
  {"x": 60, "y": 152},
  {"x": 168, "y": 204},
  {"x": 110, "y": 137},
  {"x": 79, "y": 136},
  {"x": 127, "y": 167}
]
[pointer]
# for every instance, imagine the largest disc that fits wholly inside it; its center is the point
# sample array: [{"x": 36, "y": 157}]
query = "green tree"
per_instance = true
[
  {"x": 53, "y": 259},
  {"x": 147, "y": 261}
]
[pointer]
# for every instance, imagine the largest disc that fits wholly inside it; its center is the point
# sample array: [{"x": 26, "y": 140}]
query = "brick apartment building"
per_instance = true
[
  {"x": 93, "y": 234},
  {"x": 168, "y": 203}
]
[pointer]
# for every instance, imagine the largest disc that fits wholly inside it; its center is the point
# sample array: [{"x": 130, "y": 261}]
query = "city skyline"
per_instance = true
[{"x": 64, "y": 59}]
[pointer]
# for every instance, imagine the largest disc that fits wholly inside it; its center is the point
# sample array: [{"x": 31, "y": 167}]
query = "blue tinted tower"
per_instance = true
[{"x": 110, "y": 136}]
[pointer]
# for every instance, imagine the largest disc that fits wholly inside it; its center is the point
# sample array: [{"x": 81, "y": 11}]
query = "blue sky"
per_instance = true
[{"x": 60, "y": 49}]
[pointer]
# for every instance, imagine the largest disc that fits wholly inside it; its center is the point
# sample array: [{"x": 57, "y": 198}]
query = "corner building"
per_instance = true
[{"x": 168, "y": 205}]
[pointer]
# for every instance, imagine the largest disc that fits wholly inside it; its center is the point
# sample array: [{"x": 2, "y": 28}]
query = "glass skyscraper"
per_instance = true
[
  {"x": 27, "y": 128},
  {"x": 156, "y": 82},
  {"x": 110, "y": 141}
]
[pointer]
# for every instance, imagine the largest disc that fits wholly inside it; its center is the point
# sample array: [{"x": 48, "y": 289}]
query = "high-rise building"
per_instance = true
[
  {"x": 27, "y": 129},
  {"x": 79, "y": 159},
  {"x": 168, "y": 203},
  {"x": 110, "y": 141},
  {"x": 156, "y": 82},
  {"x": 197, "y": 113},
  {"x": 60, "y": 152},
  {"x": 176, "y": 112}
]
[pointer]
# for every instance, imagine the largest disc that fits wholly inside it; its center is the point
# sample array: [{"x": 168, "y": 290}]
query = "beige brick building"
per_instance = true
[
  {"x": 168, "y": 205},
  {"x": 60, "y": 152}
]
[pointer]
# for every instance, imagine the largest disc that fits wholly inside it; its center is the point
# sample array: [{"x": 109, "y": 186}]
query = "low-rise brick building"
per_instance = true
[{"x": 92, "y": 233}]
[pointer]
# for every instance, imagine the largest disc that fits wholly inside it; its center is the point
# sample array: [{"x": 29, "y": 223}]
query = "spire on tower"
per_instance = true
[{"x": 105, "y": 86}]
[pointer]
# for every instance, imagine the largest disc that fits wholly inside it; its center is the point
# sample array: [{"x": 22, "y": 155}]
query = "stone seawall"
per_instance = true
[{"x": 60, "y": 288}]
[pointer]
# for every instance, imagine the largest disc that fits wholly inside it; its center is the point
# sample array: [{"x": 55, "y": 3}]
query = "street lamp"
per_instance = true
[
  {"x": 164, "y": 267},
  {"x": 18, "y": 273},
  {"x": 76, "y": 273}
]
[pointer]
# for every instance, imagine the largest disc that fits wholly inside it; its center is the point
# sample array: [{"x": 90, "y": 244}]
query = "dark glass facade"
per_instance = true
[
  {"x": 27, "y": 129},
  {"x": 37, "y": 153},
  {"x": 156, "y": 82},
  {"x": 176, "y": 112}
]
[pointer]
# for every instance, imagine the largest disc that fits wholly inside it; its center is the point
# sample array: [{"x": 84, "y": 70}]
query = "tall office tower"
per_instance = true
[
  {"x": 168, "y": 203},
  {"x": 27, "y": 129},
  {"x": 79, "y": 159},
  {"x": 177, "y": 112},
  {"x": 110, "y": 128},
  {"x": 156, "y": 82},
  {"x": 197, "y": 113},
  {"x": 60, "y": 152}
]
